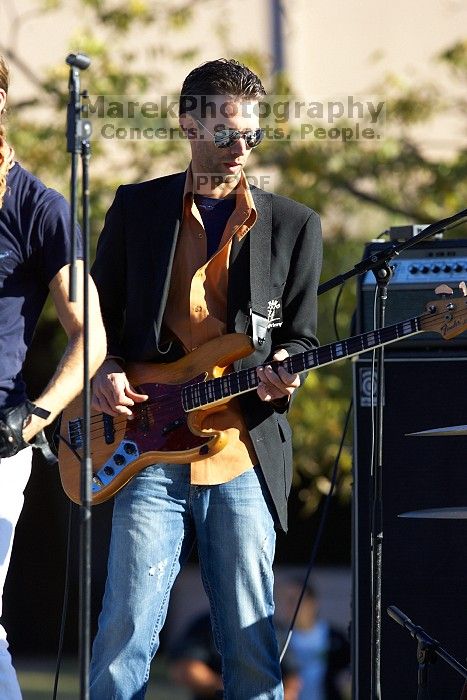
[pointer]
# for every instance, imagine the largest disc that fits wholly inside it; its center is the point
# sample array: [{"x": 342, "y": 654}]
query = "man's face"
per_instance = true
[
  {"x": 207, "y": 158},
  {"x": 287, "y": 597}
]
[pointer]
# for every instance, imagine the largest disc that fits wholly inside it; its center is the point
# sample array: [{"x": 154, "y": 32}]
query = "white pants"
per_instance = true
[{"x": 14, "y": 475}]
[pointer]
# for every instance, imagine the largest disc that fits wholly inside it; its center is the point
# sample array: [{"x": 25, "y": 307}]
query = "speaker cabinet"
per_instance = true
[{"x": 424, "y": 561}]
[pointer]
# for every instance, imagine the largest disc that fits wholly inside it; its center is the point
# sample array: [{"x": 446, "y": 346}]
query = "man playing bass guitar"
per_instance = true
[{"x": 182, "y": 261}]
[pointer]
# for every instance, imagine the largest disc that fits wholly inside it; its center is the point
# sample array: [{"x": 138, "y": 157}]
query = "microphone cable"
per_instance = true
[
  {"x": 66, "y": 592},
  {"x": 319, "y": 534},
  {"x": 327, "y": 501}
]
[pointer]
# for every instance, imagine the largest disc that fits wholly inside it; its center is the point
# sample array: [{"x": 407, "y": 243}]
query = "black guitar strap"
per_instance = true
[{"x": 260, "y": 269}]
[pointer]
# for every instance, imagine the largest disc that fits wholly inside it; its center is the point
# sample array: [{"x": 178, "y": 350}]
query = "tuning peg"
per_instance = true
[
  {"x": 444, "y": 290},
  {"x": 463, "y": 288}
]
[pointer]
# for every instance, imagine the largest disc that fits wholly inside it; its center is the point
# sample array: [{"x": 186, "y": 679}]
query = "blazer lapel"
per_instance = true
[
  {"x": 252, "y": 245},
  {"x": 169, "y": 200}
]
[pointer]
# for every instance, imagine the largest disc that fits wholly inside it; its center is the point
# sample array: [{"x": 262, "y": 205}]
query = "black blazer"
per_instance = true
[{"x": 132, "y": 272}]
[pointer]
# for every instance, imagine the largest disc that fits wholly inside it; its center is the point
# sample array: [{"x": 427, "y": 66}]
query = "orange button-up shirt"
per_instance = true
[{"x": 196, "y": 312}]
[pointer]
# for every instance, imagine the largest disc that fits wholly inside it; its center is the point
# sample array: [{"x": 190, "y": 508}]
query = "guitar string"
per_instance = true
[{"x": 96, "y": 421}]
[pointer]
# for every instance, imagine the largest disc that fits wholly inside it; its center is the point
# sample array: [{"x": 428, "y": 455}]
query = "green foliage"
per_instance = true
[
  {"x": 319, "y": 409},
  {"x": 456, "y": 58}
]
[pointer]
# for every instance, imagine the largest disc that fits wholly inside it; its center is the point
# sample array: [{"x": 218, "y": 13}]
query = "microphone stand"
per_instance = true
[
  {"x": 78, "y": 133},
  {"x": 428, "y": 649},
  {"x": 379, "y": 264}
]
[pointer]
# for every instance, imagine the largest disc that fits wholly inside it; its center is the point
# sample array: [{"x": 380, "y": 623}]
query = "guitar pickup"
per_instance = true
[
  {"x": 143, "y": 419},
  {"x": 173, "y": 425},
  {"x": 109, "y": 430}
]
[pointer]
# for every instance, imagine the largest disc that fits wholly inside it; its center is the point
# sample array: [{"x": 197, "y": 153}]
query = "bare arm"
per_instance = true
[
  {"x": 292, "y": 686},
  {"x": 67, "y": 380},
  {"x": 196, "y": 675}
]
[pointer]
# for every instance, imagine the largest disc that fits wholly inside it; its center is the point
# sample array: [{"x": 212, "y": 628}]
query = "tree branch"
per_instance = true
[
  {"x": 380, "y": 202},
  {"x": 24, "y": 68}
]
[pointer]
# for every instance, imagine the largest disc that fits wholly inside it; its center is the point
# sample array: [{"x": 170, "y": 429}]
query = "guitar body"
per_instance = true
[{"x": 161, "y": 431}]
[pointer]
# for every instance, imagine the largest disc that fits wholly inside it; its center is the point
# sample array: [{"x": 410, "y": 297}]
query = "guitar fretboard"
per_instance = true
[{"x": 234, "y": 383}]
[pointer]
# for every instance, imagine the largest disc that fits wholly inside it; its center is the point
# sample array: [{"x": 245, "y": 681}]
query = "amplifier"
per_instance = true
[
  {"x": 417, "y": 272},
  {"x": 424, "y": 563}
]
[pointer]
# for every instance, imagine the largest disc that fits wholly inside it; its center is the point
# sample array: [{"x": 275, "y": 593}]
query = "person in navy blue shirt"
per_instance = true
[{"x": 34, "y": 260}]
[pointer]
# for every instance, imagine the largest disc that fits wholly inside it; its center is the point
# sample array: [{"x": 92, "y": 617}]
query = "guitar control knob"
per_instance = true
[
  {"x": 109, "y": 471},
  {"x": 129, "y": 448},
  {"x": 413, "y": 269},
  {"x": 119, "y": 460}
]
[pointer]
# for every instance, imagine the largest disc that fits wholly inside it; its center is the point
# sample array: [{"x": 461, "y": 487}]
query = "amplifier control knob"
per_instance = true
[
  {"x": 424, "y": 269},
  {"x": 447, "y": 268},
  {"x": 413, "y": 269},
  {"x": 458, "y": 267},
  {"x": 435, "y": 268}
]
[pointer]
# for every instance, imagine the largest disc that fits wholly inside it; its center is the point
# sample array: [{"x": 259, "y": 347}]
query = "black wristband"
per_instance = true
[
  {"x": 12, "y": 421},
  {"x": 38, "y": 411}
]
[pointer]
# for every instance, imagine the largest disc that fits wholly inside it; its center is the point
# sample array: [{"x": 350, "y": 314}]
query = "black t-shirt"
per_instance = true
[
  {"x": 215, "y": 213},
  {"x": 34, "y": 246}
]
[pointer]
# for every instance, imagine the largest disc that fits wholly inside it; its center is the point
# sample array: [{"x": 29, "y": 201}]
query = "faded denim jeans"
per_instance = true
[
  {"x": 14, "y": 475},
  {"x": 157, "y": 518}
]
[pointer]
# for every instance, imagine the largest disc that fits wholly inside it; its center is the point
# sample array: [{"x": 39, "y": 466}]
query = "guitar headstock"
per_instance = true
[{"x": 446, "y": 315}]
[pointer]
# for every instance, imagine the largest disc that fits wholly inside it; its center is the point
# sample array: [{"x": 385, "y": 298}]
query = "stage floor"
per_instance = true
[{"x": 36, "y": 677}]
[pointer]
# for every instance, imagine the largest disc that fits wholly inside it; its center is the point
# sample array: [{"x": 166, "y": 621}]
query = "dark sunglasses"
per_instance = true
[
  {"x": 223, "y": 138},
  {"x": 227, "y": 137}
]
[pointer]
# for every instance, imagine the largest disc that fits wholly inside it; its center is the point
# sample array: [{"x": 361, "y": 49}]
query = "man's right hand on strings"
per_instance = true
[{"x": 112, "y": 393}]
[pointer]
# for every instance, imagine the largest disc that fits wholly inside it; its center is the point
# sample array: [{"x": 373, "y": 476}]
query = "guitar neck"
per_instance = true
[{"x": 220, "y": 389}]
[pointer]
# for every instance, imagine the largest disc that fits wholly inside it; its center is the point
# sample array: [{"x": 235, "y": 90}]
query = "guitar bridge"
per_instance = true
[{"x": 75, "y": 433}]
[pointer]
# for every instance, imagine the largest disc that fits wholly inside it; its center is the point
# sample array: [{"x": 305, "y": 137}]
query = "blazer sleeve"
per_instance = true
[
  {"x": 299, "y": 300},
  {"x": 109, "y": 273}
]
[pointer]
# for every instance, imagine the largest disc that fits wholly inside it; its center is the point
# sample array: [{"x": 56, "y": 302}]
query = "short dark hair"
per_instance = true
[
  {"x": 220, "y": 77},
  {"x": 298, "y": 581}
]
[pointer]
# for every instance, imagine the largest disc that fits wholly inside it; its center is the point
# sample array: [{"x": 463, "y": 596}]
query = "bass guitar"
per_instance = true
[{"x": 168, "y": 426}]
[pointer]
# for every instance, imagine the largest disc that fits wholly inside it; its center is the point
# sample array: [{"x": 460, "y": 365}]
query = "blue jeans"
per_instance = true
[{"x": 156, "y": 519}]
